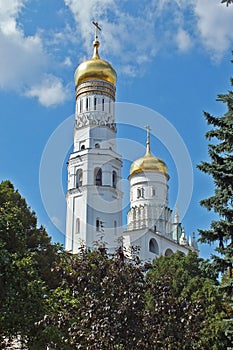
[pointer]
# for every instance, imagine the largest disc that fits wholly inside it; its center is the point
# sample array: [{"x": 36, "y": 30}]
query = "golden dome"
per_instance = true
[
  {"x": 148, "y": 163},
  {"x": 95, "y": 69}
]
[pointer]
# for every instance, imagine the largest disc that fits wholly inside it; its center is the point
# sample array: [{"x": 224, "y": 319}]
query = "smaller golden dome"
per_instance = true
[
  {"x": 148, "y": 163},
  {"x": 95, "y": 69}
]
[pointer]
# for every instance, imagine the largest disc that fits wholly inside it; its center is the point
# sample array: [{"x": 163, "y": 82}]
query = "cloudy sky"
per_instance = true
[{"x": 171, "y": 56}]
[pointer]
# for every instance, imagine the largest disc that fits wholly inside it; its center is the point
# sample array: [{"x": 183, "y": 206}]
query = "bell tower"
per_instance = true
[
  {"x": 149, "y": 193},
  {"x": 94, "y": 197}
]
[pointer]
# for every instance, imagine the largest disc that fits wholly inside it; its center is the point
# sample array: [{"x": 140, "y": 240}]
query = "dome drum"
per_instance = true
[{"x": 96, "y": 87}]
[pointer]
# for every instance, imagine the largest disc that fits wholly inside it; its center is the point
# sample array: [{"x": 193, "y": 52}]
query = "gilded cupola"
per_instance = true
[
  {"x": 95, "y": 68},
  {"x": 148, "y": 162}
]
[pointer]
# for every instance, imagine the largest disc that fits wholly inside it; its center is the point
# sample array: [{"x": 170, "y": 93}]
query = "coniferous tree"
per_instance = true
[
  {"x": 228, "y": 2},
  {"x": 220, "y": 168}
]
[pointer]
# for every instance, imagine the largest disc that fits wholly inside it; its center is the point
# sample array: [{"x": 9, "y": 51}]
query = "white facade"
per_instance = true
[
  {"x": 149, "y": 202},
  {"x": 94, "y": 197},
  {"x": 151, "y": 231}
]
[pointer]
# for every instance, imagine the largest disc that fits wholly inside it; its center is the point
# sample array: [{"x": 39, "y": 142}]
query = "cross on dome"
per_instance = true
[
  {"x": 148, "y": 139},
  {"x": 97, "y": 29}
]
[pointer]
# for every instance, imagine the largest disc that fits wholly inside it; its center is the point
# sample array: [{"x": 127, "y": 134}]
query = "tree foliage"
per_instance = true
[
  {"x": 26, "y": 259},
  {"x": 99, "y": 304},
  {"x": 227, "y": 2},
  {"x": 184, "y": 304},
  {"x": 220, "y": 168},
  {"x": 106, "y": 303},
  {"x": 49, "y": 298}
]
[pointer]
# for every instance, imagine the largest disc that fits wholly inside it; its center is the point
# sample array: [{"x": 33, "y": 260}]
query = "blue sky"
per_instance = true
[{"x": 172, "y": 57}]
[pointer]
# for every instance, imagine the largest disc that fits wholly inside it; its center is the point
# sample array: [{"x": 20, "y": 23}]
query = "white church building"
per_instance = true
[{"x": 94, "y": 196}]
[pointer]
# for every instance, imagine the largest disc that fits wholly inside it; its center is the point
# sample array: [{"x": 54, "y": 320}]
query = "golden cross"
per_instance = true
[
  {"x": 148, "y": 132},
  {"x": 96, "y": 29}
]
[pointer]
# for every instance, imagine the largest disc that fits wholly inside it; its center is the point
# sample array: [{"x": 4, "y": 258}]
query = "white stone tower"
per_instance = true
[
  {"x": 150, "y": 227},
  {"x": 94, "y": 197},
  {"x": 149, "y": 193}
]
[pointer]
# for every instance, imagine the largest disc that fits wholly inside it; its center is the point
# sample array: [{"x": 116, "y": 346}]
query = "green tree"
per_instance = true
[
  {"x": 227, "y": 2},
  {"x": 99, "y": 304},
  {"x": 26, "y": 260},
  {"x": 184, "y": 305},
  {"x": 220, "y": 168}
]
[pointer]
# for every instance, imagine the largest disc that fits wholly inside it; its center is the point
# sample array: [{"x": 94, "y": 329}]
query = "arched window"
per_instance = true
[
  {"x": 140, "y": 192},
  {"x": 77, "y": 225},
  {"x": 97, "y": 145},
  {"x": 168, "y": 252},
  {"x": 79, "y": 178},
  {"x": 98, "y": 176},
  {"x": 82, "y": 147},
  {"x": 114, "y": 179},
  {"x": 153, "y": 246},
  {"x": 97, "y": 224}
]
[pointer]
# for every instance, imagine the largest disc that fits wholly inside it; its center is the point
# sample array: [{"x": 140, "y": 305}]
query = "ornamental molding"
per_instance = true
[{"x": 95, "y": 118}]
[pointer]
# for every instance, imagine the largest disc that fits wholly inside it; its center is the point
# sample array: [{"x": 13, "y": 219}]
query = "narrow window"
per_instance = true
[
  {"x": 109, "y": 106},
  {"x": 153, "y": 192},
  {"x": 77, "y": 225},
  {"x": 98, "y": 176},
  {"x": 95, "y": 102},
  {"x": 97, "y": 224},
  {"x": 114, "y": 179},
  {"x": 79, "y": 178},
  {"x": 81, "y": 106},
  {"x": 87, "y": 103},
  {"x": 115, "y": 227},
  {"x": 140, "y": 192},
  {"x": 103, "y": 104}
]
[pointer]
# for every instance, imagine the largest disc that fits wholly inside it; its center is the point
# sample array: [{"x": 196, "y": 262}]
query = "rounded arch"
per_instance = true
[
  {"x": 79, "y": 178},
  {"x": 98, "y": 176},
  {"x": 168, "y": 252},
  {"x": 114, "y": 179},
  {"x": 153, "y": 246},
  {"x": 97, "y": 224}
]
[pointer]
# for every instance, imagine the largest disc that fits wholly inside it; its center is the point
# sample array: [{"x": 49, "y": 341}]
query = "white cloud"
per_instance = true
[
  {"x": 215, "y": 24},
  {"x": 183, "y": 40},
  {"x": 23, "y": 59},
  {"x": 50, "y": 91},
  {"x": 67, "y": 62},
  {"x": 127, "y": 37},
  {"x": 132, "y": 34}
]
